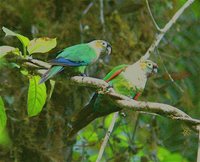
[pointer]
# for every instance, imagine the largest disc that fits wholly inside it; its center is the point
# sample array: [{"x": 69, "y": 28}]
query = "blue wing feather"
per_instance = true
[{"x": 66, "y": 62}]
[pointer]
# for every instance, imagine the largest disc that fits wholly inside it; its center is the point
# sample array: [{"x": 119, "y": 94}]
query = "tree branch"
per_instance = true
[
  {"x": 125, "y": 102},
  {"x": 164, "y": 30},
  {"x": 198, "y": 153},
  {"x": 102, "y": 14},
  {"x": 154, "y": 21}
]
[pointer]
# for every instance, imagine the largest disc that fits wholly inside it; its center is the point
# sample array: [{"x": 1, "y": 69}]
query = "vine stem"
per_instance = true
[
  {"x": 198, "y": 153},
  {"x": 106, "y": 138}
]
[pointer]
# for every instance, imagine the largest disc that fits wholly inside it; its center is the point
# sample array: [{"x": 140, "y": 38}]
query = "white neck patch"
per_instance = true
[
  {"x": 135, "y": 75},
  {"x": 96, "y": 49}
]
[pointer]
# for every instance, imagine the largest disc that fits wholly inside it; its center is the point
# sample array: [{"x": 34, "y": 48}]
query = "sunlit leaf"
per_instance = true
[
  {"x": 41, "y": 45},
  {"x": 52, "y": 83},
  {"x": 93, "y": 157},
  {"x": 165, "y": 156},
  {"x": 108, "y": 120},
  {"x": 14, "y": 65},
  {"x": 89, "y": 133},
  {"x": 24, "y": 40},
  {"x": 24, "y": 72},
  {"x": 5, "y": 140},
  {"x": 36, "y": 96},
  {"x": 3, "y": 62},
  {"x": 8, "y": 49},
  {"x": 3, "y": 117}
]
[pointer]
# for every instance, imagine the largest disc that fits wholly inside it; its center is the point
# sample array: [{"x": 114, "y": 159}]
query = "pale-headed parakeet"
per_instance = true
[
  {"x": 77, "y": 56},
  {"x": 128, "y": 80}
]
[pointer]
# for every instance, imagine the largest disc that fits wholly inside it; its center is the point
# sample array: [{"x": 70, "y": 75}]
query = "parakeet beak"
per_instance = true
[
  {"x": 155, "y": 68},
  {"x": 108, "y": 49}
]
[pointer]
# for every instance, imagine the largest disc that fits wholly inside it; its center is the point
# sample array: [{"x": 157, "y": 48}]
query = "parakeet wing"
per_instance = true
[
  {"x": 77, "y": 55},
  {"x": 114, "y": 72}
]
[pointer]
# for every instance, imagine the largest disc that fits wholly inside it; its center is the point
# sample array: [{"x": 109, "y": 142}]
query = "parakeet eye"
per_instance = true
[
  {"x": 104, "y": 44},
  {"x": 150, "y": 65}
]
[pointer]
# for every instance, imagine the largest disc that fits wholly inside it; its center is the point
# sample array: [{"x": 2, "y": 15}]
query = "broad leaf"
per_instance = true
[
  {"x": 5, "y": 140},
  {"x": 3, "y": 117},
  {"x": 52, "y": 83},
  {"x": 25, "y": 41},
  {"x": 24, "y": 72},
  {"x": 8, "y": 49},
  {"x": 165, "y": 155},
  {"x": 36, "y": 96},
  {"x": 41, "y": 45}
]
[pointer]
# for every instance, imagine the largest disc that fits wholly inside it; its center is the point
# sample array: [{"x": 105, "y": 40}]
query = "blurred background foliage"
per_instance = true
[{"x": 129, "y": 28}]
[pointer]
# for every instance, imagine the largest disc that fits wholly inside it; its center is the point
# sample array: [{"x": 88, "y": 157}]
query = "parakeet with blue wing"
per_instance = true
[{"x": 77, "y": 56}]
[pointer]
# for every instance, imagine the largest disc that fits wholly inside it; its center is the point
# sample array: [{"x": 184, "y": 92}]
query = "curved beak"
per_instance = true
[
  {"x": 108, "y": 48},
  {"x": 155, "y": 68}
]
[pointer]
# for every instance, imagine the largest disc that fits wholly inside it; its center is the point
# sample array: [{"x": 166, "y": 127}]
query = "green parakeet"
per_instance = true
[
  {"x": 77, "y": 57},
  {"x": 128, "y": 80}
]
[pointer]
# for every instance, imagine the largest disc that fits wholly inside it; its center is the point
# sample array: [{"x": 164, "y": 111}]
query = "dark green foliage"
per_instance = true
[{"x": 129, "y": 28}]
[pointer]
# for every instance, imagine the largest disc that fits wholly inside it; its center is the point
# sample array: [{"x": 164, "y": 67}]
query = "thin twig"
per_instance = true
[
  {"x": 106, "y": 138},
  {"x": 88, "y": 7},
  {"x": 85, "y": 11},
  {"x": 170, "y": 77},
  {"x": 102, "y": 14},
  {"x": 81, "y": 31},
  {"x": 166, "y": 28},
  {"x": 137, "y": 116},
  {"x": 155, "y": 24},
  {"x": 198, "y": 154}
]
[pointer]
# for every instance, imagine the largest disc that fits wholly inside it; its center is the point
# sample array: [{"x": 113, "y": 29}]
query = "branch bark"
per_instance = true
[
  {"x": 198, "y": 153},
  {"x": 125, "y": 102}
]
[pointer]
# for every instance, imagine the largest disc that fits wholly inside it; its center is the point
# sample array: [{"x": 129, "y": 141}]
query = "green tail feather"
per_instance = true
[{"x": 50, "y": 73}]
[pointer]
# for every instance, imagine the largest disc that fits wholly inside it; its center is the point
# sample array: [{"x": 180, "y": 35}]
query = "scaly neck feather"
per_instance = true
[{"x": 136, "y": 76}]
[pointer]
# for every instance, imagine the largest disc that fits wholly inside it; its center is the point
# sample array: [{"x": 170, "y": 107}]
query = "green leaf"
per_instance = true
[
  {"x": 52, "y": 83},
  {"x": 14, "y": 65},
  {"x": 36, "y": 96},
  {"x": 41, "y": 45},
  {"x": 5, "y": 140},
  {"x": 24, "y": 40},
  {"x": 89, "y": 133},
  {"x": 8, "y": 49},
  {"x": 3, "y": 117},
  {"x": 24, "y": 72},
  {"x": 108, "y": 120},
  {"x": 165, "y": 156}
]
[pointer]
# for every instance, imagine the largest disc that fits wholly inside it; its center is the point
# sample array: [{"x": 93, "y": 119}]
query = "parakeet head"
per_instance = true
[
  {"x": 101, "y": 46},
  {"x": 149, "y": 67}
]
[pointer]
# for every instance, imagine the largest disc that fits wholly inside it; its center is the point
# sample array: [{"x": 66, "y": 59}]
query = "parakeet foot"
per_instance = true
[
  {"x": 83, "y": 75},
  {"x": 108, "y": 89},
  {"x": 123, "y": 114}
]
